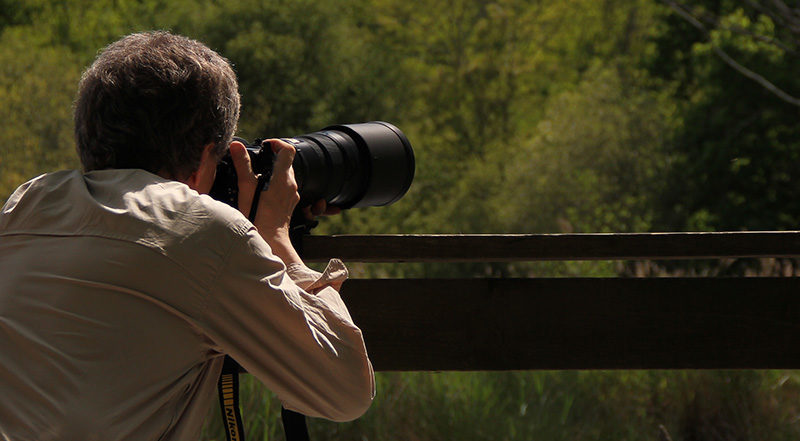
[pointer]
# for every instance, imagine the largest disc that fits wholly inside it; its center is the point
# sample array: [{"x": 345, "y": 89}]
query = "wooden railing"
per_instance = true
[{"x": 572, "y": 323}]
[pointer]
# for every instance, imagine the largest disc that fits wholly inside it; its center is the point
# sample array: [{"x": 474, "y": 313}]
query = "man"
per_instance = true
[{"x": 123, "y": 287}]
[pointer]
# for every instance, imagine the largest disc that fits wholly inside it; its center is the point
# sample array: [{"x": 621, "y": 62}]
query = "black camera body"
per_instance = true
[{"x": 347, "y": 165}]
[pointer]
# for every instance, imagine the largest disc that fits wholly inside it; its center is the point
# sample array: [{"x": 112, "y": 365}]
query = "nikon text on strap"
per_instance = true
[{"x": 228, "y": 387}]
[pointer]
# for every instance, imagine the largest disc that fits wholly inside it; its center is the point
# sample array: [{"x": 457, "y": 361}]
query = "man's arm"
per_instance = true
[{"x": 303, "y": 346}]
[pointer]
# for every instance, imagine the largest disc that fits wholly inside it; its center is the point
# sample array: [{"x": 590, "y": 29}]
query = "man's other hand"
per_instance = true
[{"x": 319, "y": 208}]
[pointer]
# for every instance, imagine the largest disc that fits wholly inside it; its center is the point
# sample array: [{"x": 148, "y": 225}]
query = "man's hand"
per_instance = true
[
  {"x": 320, "y": 208},
  {"x": 277, "y": 203}
]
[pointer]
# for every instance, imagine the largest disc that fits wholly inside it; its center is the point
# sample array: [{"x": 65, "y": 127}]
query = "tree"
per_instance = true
[
  {"x": 786, "y": 37},
  {"x": 736, "y": 152},
  {"x": 595, "y": 161},
  {"x": 37, "y": 85}
]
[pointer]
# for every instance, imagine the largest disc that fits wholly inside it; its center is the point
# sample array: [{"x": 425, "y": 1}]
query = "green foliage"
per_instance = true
[
  {"x": 736, "y": 152},
  {"x": 595, "y": 160},
  {"x": 526, "y": 116},
  {"x": 298, "y": 69},
  {"x": 37, "y": 84},
  {"x": 574, "y": 405}
]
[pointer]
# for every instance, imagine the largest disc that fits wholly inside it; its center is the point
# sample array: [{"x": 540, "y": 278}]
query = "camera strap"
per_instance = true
[
  {"x": 294, "y": 424},
  {"x": 262, "y": 182},
  {"x": 228, "y": 387}
]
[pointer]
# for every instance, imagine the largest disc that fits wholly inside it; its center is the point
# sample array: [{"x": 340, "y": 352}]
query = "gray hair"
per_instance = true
[{"x": 153, "y": 101}]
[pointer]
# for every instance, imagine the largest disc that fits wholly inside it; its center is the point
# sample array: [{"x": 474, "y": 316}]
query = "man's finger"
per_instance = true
[
  {"x": 241, "y": 162},
  {"x": 245, "y": 179},
  {"x": 284, "y": 154},
  {"x": 318, "y": 208},
  {"x": 307, "y": 212}
]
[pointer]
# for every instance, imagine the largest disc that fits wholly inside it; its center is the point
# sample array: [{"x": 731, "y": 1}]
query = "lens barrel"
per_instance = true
[
  {"x": 354, "y": 165},
  {"x": 347, "y": 165}
]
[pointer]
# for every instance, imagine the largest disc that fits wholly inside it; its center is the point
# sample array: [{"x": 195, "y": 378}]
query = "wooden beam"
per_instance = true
[
  {"x": 531, "y": 247},
  {"x": 586, "y": 323}
]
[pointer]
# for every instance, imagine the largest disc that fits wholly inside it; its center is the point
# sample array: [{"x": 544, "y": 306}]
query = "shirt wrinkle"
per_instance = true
[
  {"x": 127, "y": 288},
  {"x": 209, "y": 287},
  {"x": 152, "y": 246}
]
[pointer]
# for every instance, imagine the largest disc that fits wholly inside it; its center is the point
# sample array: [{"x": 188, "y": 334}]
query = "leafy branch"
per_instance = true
[{"x": 782, "y": 15}]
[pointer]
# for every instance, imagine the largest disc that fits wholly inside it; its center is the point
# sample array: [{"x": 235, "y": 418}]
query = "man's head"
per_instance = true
[{"x": 154, "y": 101}]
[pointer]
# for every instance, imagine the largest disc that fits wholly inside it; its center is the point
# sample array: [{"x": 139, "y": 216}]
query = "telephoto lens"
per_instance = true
[{"x": 347, "y": 165}]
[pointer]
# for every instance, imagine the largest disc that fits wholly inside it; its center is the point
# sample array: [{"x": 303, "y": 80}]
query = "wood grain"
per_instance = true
[
  {"x": 585, "y": 323},
  {"x": 532, "y": 247}
]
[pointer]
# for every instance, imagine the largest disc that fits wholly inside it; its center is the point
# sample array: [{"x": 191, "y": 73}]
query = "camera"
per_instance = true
[{"x": 347, "y": 165}]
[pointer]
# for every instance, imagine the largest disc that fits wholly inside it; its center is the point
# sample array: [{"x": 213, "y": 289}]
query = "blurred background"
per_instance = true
[{"x": 526, "y": 117}]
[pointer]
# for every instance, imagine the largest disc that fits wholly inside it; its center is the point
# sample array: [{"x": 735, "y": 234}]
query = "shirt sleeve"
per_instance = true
[{"x": 290, "y": 329}]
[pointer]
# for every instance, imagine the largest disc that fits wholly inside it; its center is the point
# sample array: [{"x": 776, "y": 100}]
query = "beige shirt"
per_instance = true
[{"x": 120, "y": 292}]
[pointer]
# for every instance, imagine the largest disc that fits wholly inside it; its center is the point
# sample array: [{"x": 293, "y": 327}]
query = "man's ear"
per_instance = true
[{"x": 202, "y": 179}]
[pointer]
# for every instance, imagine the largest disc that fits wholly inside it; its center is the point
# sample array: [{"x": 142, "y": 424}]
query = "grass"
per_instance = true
[{"x": 544, "y": 406}]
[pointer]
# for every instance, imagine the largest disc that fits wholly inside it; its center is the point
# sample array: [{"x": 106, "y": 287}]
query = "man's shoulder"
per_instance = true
[
  {"x": 127, "y": 204},
  {"x": 171, "y": 206},
  {"x": 30, "y": 201}
]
